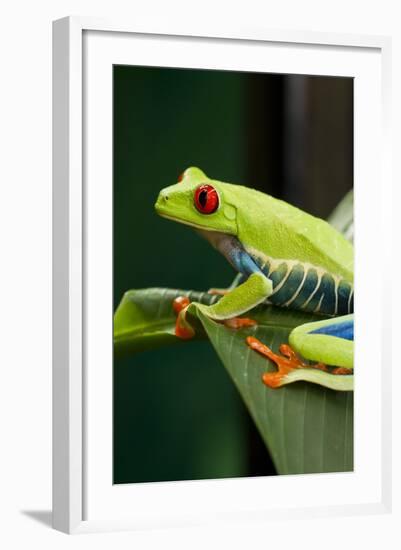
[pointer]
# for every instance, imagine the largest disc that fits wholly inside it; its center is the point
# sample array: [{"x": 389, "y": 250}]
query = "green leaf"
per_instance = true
[{"x": 145, "y": 319}]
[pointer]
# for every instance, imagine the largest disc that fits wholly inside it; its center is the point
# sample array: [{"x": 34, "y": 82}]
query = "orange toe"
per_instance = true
[
  {"x": 286, "y": 362},
  {"x": 239, "y": 322},
  {"x": 180, "y": 303}
]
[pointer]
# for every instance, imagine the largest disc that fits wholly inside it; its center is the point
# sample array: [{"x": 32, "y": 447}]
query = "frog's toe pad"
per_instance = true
[
  {"x": 239, "y": 322},
  {"x": 180, "y": 303},
  {"x": 218, "y": 291},
  {"x": 183, "y": 329},
  {"x": 341, "y": 370}
]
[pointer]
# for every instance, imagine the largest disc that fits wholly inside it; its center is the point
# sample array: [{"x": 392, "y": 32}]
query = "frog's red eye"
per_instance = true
[{"x": 206, "y": 199}]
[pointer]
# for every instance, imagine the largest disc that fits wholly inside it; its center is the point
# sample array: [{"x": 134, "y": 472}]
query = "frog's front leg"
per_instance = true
[
  {"x": 240, "y": 300},
  {"x": 328, "y": 342}
]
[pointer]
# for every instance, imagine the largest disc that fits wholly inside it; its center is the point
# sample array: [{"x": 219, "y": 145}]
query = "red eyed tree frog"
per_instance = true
[{"x": 285, "y": 257}]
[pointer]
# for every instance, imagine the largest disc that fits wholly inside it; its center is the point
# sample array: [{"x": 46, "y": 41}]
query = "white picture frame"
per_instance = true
[{"x": 84, "y": 50}]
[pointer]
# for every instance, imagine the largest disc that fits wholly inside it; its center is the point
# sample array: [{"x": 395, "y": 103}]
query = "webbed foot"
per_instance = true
[{"x": 287, "y": 362}]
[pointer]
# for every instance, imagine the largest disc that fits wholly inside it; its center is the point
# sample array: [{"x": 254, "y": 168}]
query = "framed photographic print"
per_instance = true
[{"x": 213, "y": 204}]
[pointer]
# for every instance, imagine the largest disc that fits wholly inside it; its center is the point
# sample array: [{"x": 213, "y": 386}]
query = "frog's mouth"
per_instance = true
[{"x": 190, "y": 224}]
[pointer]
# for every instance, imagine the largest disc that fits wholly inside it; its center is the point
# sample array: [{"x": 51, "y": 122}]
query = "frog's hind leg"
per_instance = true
[{"x": 329, "y": 341}]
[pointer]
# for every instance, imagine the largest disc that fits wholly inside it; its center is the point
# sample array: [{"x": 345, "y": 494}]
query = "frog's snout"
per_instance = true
[
  {"x": 162, "y": 198},
  {"x": 162, "y": 202}
]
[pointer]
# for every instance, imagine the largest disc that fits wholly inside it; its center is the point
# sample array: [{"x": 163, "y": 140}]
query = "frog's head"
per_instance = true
[{"x": 200, "y": 202}]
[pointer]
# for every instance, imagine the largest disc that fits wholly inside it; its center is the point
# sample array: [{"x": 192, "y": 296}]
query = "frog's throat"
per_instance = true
[{"x": 228, "y": 245}]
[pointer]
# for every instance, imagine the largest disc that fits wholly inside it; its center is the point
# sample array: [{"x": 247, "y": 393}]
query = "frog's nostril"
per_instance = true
[{"x": 165, "y": 197}]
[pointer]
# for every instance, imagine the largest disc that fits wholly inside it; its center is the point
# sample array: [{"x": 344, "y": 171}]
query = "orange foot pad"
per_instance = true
[
  {"x": 218, "y": 291},
  {"x": 239, "y": 322},
  {"x": 341, "y": 370},
  {"x": 286, "y": 362}
]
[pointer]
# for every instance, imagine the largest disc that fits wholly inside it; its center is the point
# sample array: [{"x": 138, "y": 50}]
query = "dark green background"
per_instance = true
[{"x": 177, "y": 415}]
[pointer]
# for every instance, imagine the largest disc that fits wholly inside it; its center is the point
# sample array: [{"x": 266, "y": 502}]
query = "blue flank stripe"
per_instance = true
[
  {"x": 291, "y": 285},
  {"x": 278, "y": 274},
  {"x": 342, "y": 329},
  {"x": 306, "y": 290},
  {"x": 333, "y": 300}
]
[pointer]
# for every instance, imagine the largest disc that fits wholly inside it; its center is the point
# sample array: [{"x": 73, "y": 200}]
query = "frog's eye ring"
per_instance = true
[{"x": 206, "y": 199}]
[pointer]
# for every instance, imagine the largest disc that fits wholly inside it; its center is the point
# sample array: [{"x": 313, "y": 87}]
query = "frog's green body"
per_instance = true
[{"x": 286, "y": 257}]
